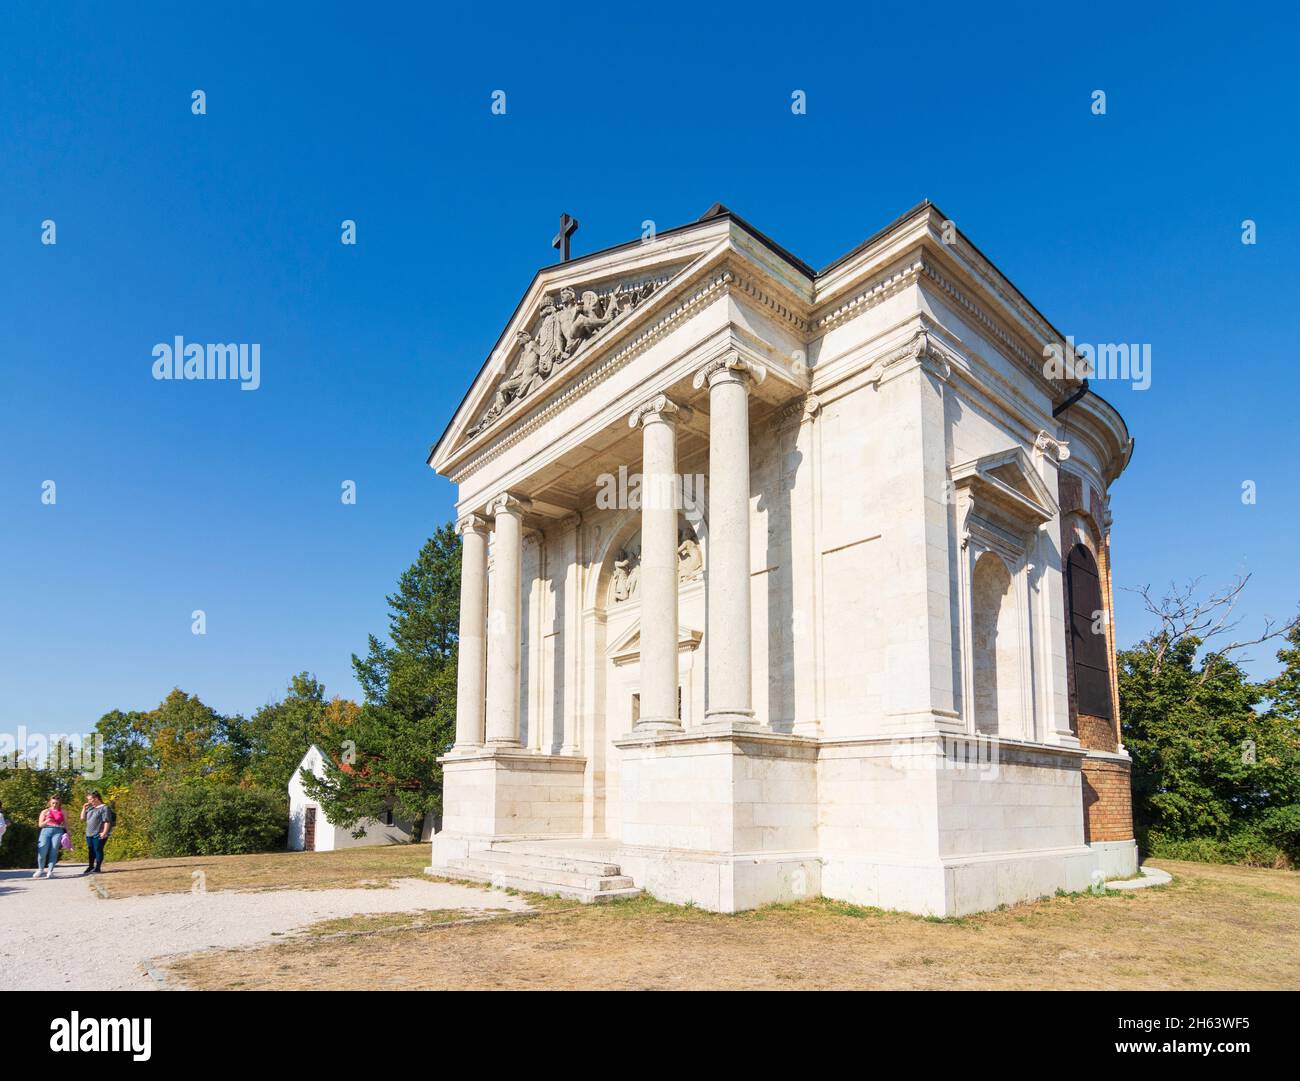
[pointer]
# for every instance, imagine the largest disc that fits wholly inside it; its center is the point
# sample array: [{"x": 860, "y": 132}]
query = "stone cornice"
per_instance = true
[
  {"x": 743, "y": 283},
  {"x": 868, "y": 298},
  {"x": 605, "y": 358}
]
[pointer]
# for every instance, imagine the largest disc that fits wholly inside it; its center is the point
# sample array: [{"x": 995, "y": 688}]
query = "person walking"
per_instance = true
[
  {"x": 52, "y": 827},
  {"x": 99, "y": 819}
]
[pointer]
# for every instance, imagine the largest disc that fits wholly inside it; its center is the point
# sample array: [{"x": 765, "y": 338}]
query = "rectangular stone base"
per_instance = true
[
  {"x": 722, "y": 882},
  {"x": 512, "y": 793},
  {"x": 946, "y": 887}
]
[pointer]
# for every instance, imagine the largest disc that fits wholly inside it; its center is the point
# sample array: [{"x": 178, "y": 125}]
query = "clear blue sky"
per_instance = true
[{"x": 225, "y": 227}]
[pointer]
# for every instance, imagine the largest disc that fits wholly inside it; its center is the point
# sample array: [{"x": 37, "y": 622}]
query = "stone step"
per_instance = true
[
  {"x": 515, "y": 857},
  {"x": 518, "y": 875},
  {"x": 523, "y": 867}
]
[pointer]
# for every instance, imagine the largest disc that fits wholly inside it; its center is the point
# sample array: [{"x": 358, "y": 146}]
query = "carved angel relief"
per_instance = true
[
  {"x": 626, "y": 580},
  {"x": 561, "y": 331}
]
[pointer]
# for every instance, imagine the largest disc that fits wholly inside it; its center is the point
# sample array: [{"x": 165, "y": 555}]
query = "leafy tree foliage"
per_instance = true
[
  {"x": 1215, "y": 775},
  {"x": 280, "y": 733},
  {"x": 409, "y": 716}
]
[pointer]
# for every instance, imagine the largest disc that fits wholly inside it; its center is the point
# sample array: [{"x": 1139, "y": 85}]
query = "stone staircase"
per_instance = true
[{"x": 585, "y": 880}]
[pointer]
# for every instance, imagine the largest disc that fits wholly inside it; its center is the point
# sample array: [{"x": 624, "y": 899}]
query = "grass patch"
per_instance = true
[
  {"x": 1217, "y": 926},
  {"x": 372, "y": 867}
]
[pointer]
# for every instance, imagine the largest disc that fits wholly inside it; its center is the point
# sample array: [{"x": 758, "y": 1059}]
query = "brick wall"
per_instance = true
[
  {"x": 1097, "y": 733},
  {"x": 1107, "y": 800}
]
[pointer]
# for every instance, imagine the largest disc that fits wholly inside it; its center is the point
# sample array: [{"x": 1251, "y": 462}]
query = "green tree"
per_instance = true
[
  {"x": 281, "y": 732},
  {"x": 191, "y": 741},
  {"x": 1214, "y": 775},
  {"x": 409, "y": 716},
  {"x": 127, "y": 744}
]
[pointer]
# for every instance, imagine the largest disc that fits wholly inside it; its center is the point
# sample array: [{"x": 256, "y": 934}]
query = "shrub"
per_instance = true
[
  {"x": 218, "y": 819},
  {"x": 1248, "y": 847},
  {"x": 18, "y": 848}
]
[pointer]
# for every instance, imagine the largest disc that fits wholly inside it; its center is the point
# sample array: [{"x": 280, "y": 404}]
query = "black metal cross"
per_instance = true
[{"x": 568, "y": 226}]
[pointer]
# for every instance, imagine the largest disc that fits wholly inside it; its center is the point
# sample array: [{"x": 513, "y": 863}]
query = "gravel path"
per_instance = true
[{"x": 60, "y": 935}]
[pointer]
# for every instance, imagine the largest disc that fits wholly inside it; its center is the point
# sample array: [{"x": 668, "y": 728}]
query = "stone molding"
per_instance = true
[{"x": 870, "y": 297}]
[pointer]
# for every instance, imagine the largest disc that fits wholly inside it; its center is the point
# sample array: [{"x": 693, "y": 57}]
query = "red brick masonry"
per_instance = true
[
  {"x": 1097, "y": 733},
  {"x": 1107, "y": 800}
]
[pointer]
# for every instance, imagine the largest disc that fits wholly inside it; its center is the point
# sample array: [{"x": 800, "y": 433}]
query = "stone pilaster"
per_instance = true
[
  {"x": 730, "y": 628},
  {"x": 919, "y": 563},
  {"x": 660, "y": 490},
  {"x": 472, "y": 652},
  {"x": 1049, "y": 453},
  {"x": 504, "y": 631}
]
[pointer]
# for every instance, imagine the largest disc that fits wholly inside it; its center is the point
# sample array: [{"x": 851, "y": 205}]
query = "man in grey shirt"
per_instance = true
[{"x": 99, "y": 819}]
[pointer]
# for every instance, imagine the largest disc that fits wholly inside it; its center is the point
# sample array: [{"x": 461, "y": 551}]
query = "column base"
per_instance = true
[
  {"x": 657, "y": 725},
  {"x": 732, "y": 720}
]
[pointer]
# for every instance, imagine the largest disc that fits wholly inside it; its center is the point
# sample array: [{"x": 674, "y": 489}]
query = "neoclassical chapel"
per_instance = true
[{"x": 781, "y": 582}]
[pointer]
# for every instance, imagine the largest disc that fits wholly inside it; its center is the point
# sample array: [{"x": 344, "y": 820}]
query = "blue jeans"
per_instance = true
[
  {"x": 96, "y": 845},
  {"x": 47, "y": 847}
]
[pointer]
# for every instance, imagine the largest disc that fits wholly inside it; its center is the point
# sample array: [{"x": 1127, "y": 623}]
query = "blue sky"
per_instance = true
[{"x": 225, "y": 227}]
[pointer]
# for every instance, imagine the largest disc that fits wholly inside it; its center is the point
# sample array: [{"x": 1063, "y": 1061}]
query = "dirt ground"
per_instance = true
[{"x": 1214, "y": 927}]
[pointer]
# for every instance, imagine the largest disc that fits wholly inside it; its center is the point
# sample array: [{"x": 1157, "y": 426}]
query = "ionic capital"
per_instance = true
[
  {"x": 730, "y": 367},
  {"x": 659, "y": 408},
  {"x": 471, "y": 523},
  {"x": 509, "y": 503}
]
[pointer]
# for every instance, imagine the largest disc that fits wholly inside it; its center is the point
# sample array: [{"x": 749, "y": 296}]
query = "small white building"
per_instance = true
[{"x": 311, "y": 831}]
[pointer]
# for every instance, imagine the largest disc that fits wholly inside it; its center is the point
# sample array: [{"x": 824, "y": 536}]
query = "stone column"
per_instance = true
[
  {"x": 660, "y": 493},
  {"x": 729, "y": 631},
  {"x": 472, "y": 656},
  {"x": 504, "y": 631}
]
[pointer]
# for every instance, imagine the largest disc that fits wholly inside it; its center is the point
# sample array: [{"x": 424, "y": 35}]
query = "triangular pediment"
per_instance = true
[
  {"x": 627, "y": 647},
  {"x": 570, "y": 314},
  {"x": 1007, "y": 485}
]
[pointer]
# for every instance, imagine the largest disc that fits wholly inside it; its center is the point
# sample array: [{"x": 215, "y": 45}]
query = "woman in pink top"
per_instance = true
[{"x": 52, "y": 828}]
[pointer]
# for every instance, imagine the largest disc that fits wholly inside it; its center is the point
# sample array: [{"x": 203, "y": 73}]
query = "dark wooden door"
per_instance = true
[{"x": 309, "y": 831}]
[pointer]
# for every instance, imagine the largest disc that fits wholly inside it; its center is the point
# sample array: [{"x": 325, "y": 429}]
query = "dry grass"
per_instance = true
[
  {"x": 266, "y": 871},
  {"x": 1215, "y": 927}
]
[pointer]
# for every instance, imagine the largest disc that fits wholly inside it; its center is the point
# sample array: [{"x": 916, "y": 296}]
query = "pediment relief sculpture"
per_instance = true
[
  {"x": 625, "y": 581},
  {"x": 561, "y": 330}
]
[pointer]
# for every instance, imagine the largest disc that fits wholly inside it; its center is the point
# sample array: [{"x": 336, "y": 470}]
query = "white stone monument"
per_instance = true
[{"x": 781, "y": 582}]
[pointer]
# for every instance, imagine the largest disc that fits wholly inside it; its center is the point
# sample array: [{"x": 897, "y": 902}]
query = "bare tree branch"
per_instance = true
[{"x": 1183, "y": 615}]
